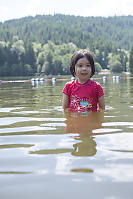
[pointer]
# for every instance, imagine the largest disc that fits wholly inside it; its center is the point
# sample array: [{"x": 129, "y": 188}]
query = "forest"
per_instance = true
[{"x": 44, "y": 44}]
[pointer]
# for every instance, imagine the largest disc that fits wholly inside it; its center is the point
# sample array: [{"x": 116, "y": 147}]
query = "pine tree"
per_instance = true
[
  {"x": 131, "y": 61},
  {"x": 30, "y": 57}
]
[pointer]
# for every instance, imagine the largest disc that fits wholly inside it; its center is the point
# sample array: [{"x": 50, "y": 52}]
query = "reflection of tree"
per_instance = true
[
  {"x": 117, "y": 91},
  {"x": 130, "y": 90},
  {"x": 83, "y": 124},
  {"x": 48, "y": 95}
]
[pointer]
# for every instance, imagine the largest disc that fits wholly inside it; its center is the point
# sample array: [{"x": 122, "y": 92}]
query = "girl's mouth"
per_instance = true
[{"x": 84, "y": 74}]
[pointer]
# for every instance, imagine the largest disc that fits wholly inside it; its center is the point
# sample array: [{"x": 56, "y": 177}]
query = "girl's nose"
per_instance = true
[{"x": 84, "y": 67}]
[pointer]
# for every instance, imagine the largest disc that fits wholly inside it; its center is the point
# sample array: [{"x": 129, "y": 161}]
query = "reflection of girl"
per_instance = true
[
  {"x": 86, "y": 147},
  {"x": 83, "y": 94},
  {"x": 82, "y": 125}
]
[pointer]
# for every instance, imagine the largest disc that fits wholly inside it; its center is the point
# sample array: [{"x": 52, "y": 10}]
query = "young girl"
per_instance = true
[{"x": 83, "y": 94}]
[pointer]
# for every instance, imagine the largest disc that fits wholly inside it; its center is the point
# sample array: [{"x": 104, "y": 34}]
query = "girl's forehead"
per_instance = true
[{"x": 83, "y": 60}]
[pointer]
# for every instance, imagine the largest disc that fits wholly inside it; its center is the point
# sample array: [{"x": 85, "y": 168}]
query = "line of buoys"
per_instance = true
[
  {"x": 38, "y": 79},
  {"x": 115, "y": 78},
  {"x": 42, "y": 80}
]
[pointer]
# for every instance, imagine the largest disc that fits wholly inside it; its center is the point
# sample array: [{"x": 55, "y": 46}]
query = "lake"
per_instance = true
[{"x": 45, "y": 153}]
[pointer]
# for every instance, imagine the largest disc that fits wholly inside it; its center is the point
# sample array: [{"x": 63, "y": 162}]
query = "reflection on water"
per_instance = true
[
  {"x": 59, "y": 150},
  {"x": 14, "y": 146},
  {"x": 86, "y": 147},
  {"x": 82, "y": 170},
  {"x": 83, "y": 125}
]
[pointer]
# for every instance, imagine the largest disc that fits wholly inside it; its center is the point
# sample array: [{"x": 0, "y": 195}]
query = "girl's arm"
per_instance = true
[
  {"x": 101, "y": 103},
  {"x": 65, "y": 102}
]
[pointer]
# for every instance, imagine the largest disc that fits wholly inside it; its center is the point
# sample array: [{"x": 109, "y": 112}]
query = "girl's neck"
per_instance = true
[{"x": 82, "y": 82}]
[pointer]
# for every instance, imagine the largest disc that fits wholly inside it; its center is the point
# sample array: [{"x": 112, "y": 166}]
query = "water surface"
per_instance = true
[{"x": 45, "y": 153}]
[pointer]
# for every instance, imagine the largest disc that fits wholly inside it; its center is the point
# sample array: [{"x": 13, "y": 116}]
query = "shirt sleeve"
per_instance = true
[
  {"x": 100, "y": 91},
  {"x": 66, "y": 89}
]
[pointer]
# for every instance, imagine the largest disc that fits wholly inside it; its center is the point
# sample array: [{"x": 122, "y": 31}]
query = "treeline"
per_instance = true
[
  {"x": 82, "y": 31},
  {"x": 45, "y": 44}
]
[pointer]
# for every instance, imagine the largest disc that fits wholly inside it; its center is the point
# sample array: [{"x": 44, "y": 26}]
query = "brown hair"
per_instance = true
[{"x": 78, "y": 55}]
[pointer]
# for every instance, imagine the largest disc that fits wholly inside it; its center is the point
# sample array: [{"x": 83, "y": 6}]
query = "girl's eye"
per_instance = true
[{"x": 82, "y": 65}]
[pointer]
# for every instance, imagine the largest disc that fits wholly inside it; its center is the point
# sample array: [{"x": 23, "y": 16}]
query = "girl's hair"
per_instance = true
[{"x": 78, "y": 55}]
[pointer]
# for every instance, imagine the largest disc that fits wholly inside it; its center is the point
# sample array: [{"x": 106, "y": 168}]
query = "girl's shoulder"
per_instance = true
[
  {"x": 71, "y": 83},
  {"x": 98, "y": 88},
  {"x": 68, "y": 87},
  {"x": 95, "y": 83}
]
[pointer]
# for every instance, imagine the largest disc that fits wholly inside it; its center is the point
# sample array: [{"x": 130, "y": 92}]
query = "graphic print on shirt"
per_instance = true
[{"x": 81, "y": 104}]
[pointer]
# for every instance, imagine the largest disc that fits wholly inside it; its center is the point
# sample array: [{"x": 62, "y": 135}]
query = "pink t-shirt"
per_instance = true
[{"x": 83, "y": 97}]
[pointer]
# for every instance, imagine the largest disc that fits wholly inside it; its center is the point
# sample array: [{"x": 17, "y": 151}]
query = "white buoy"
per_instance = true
[
  {"x": 117, "y": 78},
  {"x": 53, "y": 80},
  {"x": 72, "y": 78},
  {"x": 104, "y": 79},
  {"x": 32, "y": 79},
  {"x": 37, "y": 79},
  {"x": 114, "y": 78},
  {"x": 42, "y": 79}
]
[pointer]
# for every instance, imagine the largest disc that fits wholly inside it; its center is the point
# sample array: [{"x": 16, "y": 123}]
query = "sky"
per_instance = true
[{"x": 12, "y": 9}]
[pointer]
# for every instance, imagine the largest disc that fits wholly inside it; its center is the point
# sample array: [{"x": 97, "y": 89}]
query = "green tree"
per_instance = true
[
  {"x": 2, "y": 56},
  {"x": 57, "y": 63},
  {"x": 41, "y": 59},
  {"x": 114, "y": 63},
  {"x": 46, "y": 68},
  {"x": 5, "y": 70},
  {"x": 116, "y": 67},
  {"x": 98, "y": 67},
  {"x": 18, "y": 48},
  {"x": 28, "y": 70},
  {"x": 30, "y": 57},
  {"x": 66, "y": 63},
  {"x": 131, "y": 61},
  {"x": 49, "y": 64}
]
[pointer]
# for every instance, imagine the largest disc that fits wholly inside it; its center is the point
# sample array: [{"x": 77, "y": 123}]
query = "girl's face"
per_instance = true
[{"x": 83, "y": 70}]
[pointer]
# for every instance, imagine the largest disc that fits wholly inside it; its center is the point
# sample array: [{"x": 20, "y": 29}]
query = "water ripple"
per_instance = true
[
  {"x": 25, "y": 129},
  {"x": 12, "y": 120}
]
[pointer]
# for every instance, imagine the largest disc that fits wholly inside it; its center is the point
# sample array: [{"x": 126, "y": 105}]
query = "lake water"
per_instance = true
[{"x": 45, "y": 154}]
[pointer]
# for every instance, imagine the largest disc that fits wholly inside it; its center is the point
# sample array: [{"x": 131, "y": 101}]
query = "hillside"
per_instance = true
[
  {"x": 82, "y": 31},
  {"x": 44, "y": 44}
]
